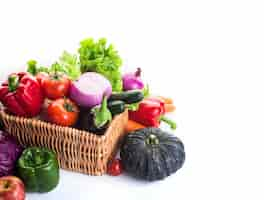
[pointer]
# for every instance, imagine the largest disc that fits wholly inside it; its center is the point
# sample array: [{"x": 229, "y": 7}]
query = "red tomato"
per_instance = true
[
  {"x": 115, "y": 168},
  {"x": 63, "y": 112},
  {"x": 56, "y": 86}
]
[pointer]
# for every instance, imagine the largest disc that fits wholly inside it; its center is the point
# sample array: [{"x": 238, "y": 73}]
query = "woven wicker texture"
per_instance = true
[{"x": 77, "y": 150}]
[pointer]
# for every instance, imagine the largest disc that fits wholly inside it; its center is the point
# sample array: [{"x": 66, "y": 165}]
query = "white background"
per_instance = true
[{"x": 207, "y": 55}]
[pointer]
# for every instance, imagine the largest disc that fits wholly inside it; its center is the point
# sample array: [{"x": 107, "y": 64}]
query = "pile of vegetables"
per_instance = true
[
  {"x": 86, "y": 91},
  {"x": 32, "y": 169}
]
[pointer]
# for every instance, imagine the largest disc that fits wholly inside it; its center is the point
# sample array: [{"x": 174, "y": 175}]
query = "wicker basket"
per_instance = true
[{"x": 77, "y": 150}]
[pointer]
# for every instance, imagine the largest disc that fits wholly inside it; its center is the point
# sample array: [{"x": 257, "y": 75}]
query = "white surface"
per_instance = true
[{"x": 207, "y": 55}]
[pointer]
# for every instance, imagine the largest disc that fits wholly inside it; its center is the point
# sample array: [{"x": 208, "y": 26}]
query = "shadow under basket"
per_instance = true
[{"x": 77, "y": 150}]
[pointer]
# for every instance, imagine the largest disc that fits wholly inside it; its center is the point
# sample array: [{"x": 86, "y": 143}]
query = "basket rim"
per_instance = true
[{"x": 101, "y": 138}]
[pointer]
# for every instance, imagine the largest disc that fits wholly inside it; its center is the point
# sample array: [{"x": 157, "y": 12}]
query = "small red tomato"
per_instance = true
[
  {"x": 56, "y": 85},
  {"x": 11, "y": 188},
  {"x": 115, "y": 167},
  {"x": 63, "y": 112}
]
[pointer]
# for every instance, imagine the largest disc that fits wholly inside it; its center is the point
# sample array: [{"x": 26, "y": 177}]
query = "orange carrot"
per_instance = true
[
  {"x": 166, "y": 100},
  {"x": 169, "y": 108},
  {"x": 132, "y": 126}
]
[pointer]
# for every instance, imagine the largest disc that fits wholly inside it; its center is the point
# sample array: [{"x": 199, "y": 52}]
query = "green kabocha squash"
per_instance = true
[{"x": 152, "y": 154}]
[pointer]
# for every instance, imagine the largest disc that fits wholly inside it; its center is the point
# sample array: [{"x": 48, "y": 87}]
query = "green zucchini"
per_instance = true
[
  {"x": 116, "y": 107},
  {"x": 129, "y": 97}
]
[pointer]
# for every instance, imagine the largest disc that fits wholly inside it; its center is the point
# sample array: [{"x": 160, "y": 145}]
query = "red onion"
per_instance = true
[
  {"x": 89, "y": 89},
  {"x": 132, "y": 81}
]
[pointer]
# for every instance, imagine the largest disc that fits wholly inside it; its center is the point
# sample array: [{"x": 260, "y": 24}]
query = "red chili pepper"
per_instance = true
[
  {"x": 150, "y": 113},
  {"x": 115, "y": 168},
  {"x": 21, "y": 95}
]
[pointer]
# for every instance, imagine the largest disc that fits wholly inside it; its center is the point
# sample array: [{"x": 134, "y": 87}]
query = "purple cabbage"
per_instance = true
[{"x": 10, "y": 151}]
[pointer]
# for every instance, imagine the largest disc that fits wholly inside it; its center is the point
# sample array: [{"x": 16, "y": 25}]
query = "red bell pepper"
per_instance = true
[
  {"x": 150, "y": 113},
  {"x": 21, "y": 95}
]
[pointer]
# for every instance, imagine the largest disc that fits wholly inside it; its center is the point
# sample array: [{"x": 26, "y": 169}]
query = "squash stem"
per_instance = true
[
  {"x": 152, "y": 140},
  {"x": 171, "y": 123}
]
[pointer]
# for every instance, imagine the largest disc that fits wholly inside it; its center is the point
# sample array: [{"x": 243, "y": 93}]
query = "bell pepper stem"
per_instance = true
[
  {"x": 13, "y": 81},
  {"x": 32, "y": 67},
  {"x": 38, "y": 159},
  {"x": 168, "y": 121}
]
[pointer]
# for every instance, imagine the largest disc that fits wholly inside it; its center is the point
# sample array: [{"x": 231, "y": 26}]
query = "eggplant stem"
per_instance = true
[{"x": 104, "y": 104}]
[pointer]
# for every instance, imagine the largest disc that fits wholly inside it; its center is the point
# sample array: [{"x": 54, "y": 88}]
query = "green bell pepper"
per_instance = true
[{"x": 39, "y": 169}]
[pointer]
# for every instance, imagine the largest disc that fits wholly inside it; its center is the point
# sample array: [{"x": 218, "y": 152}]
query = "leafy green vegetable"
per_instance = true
[
  {"x": 68, "y": 64},
  {"x": 103, "y": 59}
]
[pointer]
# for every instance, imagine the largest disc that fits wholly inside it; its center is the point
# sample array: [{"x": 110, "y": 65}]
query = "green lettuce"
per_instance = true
[
  {"x": 103, "y": 59},
  {"x": 68, "y": 64}
]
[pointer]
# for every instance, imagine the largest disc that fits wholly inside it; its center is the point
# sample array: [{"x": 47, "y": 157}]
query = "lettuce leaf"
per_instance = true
[
  {"x": 96, "y": 56},
  {"x": 68, "y": 64}
]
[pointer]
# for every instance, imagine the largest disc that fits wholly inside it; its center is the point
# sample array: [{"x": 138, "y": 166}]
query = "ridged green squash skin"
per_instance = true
[{"x": 153, "y": 160}]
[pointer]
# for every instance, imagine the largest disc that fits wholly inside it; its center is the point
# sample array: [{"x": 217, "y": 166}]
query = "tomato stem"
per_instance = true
[{"x": 68, "y": 107}]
